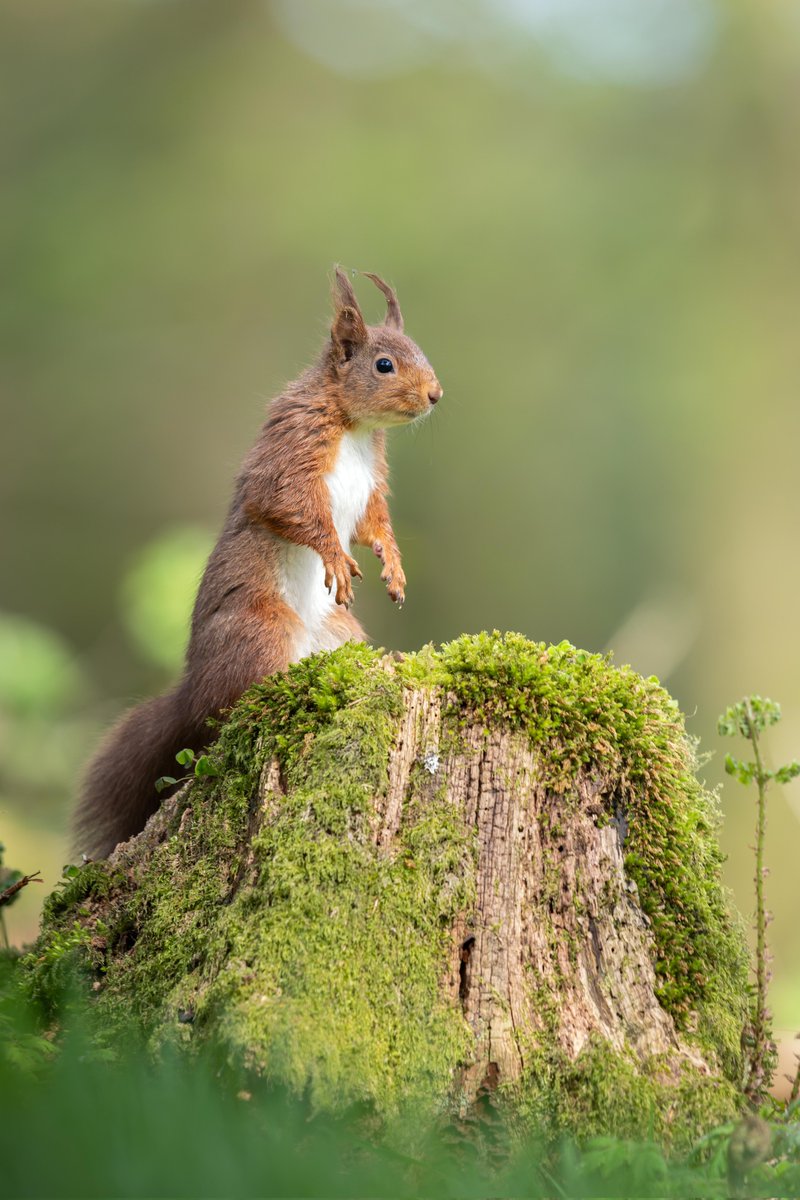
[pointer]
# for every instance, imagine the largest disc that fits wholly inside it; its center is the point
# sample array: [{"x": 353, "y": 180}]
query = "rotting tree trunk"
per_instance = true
[
  {"x": 552, "y": 903},
  {"x": 487, "y": 871}
]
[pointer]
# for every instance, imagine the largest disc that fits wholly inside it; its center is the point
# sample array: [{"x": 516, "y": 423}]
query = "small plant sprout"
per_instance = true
[
  {"x": 11, "y": 884},
  {"x": 749, "y": 718},
  {"x": 201, "y": 767}
]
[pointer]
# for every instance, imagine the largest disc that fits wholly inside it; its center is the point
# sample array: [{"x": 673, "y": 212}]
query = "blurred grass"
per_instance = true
[
  {"x": 599, "y": 263},
  {"x": 81, "y": 1118}
]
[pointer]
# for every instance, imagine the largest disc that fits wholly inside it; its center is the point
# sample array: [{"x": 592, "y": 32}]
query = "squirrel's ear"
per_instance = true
[
  {"x": 394, "y": 317},
  {"x": 348, "y": 331}
]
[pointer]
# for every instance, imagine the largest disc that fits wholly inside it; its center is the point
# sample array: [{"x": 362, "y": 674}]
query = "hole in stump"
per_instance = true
[{"x": 465, "y": 955}]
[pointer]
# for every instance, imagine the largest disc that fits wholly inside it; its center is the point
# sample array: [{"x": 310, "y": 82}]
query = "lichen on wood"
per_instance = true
[{"x": 485, "y": 869}]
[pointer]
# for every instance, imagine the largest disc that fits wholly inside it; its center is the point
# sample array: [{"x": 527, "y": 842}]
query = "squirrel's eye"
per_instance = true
[{"x": 385, "y": 366}]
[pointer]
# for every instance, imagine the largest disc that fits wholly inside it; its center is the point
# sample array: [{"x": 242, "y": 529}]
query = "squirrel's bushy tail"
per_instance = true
[{"x": 119, "y": 788}]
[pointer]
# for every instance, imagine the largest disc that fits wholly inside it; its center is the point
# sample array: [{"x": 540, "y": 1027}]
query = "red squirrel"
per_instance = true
[{"x": 278, "y": 584}]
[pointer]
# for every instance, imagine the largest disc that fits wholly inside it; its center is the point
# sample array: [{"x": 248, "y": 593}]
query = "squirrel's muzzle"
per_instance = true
[{"x": 435, "y": 394}]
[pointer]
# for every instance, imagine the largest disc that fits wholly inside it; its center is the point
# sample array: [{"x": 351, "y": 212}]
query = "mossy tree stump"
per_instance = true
[{"x": 488, "y": 870}]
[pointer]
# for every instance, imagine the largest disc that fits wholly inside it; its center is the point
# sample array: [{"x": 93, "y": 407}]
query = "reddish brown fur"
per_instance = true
[
  {"x": 242, "y": 629},
  {"x": 375, "y": 528}
]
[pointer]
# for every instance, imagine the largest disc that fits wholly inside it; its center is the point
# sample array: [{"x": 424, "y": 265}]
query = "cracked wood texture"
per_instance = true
[
  {"x": 295, "y": 927},
  {"x": 556, "y": 940},
  {"x": 392, "y": 885}
]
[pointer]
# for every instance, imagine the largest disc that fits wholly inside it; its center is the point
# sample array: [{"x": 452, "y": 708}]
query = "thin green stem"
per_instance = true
[
  {"x": 757, "y": 1081},
  {"x": 795, "y": 1092}
]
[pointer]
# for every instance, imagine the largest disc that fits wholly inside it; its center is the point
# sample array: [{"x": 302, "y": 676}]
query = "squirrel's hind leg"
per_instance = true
[
  {"x": 234, "y": 650},
  {"x": 340, "y": 627}
]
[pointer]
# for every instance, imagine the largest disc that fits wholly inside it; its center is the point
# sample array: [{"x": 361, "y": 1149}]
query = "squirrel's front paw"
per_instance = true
[
  {"x": 342, "y": 569},
  {"x": 392, "y": 574}
]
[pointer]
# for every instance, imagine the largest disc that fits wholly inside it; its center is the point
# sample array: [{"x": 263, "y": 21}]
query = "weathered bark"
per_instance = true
[
  {"x": 553, "y": 905},
  {"x": 528, "y": 966}
]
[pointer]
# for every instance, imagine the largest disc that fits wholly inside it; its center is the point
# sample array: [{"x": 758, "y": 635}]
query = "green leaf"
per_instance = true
[
  {"x": 185, "y": 757},
  {"x": 205, "y": 766},
  {"x": 732, "y": 765},
  {"x": 764, "y": 712},
  {"x": 164, "y": 782},
  {"x": 788, "y": 773},
  {"x": 727, "y": 726},
  {"x": 744, "y": 772}
]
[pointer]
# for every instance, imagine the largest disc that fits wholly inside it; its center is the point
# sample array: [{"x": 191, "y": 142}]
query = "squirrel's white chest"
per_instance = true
[{"x": 350, "y": 482}]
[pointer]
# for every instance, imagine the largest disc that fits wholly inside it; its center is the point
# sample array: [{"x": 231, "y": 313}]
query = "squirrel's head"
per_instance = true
[{"x": 384, "y": 377}]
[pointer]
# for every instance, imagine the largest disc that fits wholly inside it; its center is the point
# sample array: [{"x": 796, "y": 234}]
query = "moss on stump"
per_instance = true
[{"x": 487, "y": 870}]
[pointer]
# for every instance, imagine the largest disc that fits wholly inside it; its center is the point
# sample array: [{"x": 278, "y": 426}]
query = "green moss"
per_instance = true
[
  {"x": 337, "y": 914},
  {"x": 604, "y": 1091},
  {"x": 334, "y": 910},
  {"x": 78, "y": 884},
  {"x": 68, "y": 944},
  {"x": 318, "y": 956},
  {"x": 361, "y": 941},
  {"x": 582, "y": 713}
]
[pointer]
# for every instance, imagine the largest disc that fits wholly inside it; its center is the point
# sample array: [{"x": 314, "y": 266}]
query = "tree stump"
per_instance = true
[{"x": 484, "y": 872}]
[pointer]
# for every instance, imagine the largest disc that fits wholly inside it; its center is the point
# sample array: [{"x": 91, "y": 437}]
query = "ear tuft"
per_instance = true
[
  {"x": 394, "y": 318},
  {"x": 348, "y": 331},
  {"x": 343, "y": 294}
]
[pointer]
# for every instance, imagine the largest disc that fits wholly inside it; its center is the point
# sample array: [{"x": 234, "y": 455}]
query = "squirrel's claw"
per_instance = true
[
  {"x": 392, "y": 574},
  {"x": 340, "y": 572},
  {"x": 394, "y": 578},
  {"x": 397, "y": 591}
]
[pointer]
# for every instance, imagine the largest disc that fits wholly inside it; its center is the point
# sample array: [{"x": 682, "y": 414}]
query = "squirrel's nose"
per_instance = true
[{"x": 435, "y": 394}]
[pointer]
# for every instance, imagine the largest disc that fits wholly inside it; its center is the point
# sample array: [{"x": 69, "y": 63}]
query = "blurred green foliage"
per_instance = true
[
  {"x": 590, "y": 212},
  {"x": 38, "y": 672},
  {"x": 115, "y": 1122},
  {"x": 158, "y": 592}
]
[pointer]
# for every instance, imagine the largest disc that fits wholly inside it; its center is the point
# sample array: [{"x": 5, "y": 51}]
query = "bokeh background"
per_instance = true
[{"x": 591, "y": 212}]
